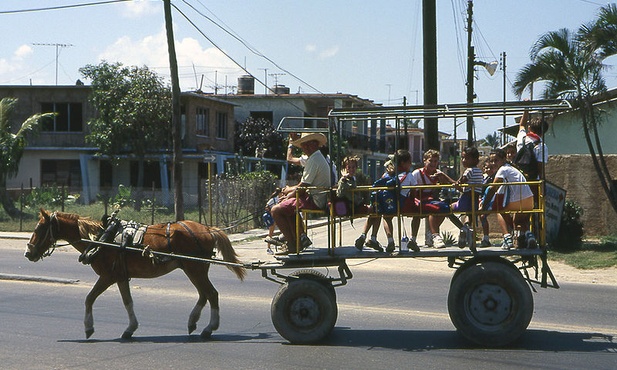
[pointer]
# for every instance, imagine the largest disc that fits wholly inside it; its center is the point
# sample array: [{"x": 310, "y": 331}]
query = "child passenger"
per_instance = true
[
  {"x": 472, "y": 179},
  {"x": 489, "y": 177},
  {"x": 373, "y": 220},
  {"x": 510, "y": 197}
]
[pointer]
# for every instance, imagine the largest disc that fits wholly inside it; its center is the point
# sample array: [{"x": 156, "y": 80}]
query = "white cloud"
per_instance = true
[
  {"x": 152, "y": 52},
  {"x": 136, "y": 9},
  {"x": 322, "y": 53},
  {"x": 23, "y": 51},
  {"x": 328, "y": 53}
]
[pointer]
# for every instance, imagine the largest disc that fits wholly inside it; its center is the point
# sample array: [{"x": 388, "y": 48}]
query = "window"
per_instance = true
[
  {"x": 221, "y": 125},
  {"x": 61, "y": 172},
  {"x": 152, "y": 174},
  {"x": 202, "y": 122},
  {"x": 68, "y": 117},
  {"x": 105, "y": 174}
]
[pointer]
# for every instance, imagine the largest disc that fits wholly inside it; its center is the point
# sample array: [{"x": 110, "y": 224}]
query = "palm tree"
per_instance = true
[
  {"x": 571, "y": 68},
  {"x": 492, "y": 140},
  {"x": 12, "y": 146}
]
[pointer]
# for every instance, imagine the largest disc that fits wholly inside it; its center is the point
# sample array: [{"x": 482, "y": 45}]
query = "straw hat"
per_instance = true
[{"x": 309, "y": 136}]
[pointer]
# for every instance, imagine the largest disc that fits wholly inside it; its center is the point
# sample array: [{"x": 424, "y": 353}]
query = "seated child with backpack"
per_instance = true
[
  {"x": 347, "y": 202},
  {"x": 510, "y": 197}
]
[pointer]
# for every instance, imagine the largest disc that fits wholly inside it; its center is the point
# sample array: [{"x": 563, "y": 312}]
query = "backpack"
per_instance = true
[
  {"x": 525, "y": 160},
  {"x": 384, "y": 200}
]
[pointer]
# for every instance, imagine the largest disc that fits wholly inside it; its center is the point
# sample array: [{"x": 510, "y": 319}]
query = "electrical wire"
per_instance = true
[
  {"x": 18, "y": 11},
  {"x": 243, "y": 42}
]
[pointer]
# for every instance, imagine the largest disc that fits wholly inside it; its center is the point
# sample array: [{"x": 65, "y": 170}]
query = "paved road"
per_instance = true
[{"x": 392, "y": 314}]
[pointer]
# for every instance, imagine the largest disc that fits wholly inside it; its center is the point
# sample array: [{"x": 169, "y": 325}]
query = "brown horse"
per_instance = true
[{"x": 186, "y": 238}]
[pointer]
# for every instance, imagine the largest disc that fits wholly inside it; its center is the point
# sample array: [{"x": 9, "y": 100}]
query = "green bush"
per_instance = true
[{"x": 570, "y": 236}]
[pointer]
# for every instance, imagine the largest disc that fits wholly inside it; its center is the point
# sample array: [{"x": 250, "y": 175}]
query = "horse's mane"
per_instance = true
[{"x": 88, "y": 228}]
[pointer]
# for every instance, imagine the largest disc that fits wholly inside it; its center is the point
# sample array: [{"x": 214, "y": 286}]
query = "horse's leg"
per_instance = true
[
  {"x": 125, "y": 292},
  {"x": 207, "y": 292},
  {"x": 99, "y": 287}
]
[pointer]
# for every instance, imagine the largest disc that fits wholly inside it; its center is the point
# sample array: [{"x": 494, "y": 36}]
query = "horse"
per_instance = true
[{"x": 183, "y": 238}]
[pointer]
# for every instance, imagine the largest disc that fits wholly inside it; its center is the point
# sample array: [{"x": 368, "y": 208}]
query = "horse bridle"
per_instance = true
[{"x": 50, "y": 234}]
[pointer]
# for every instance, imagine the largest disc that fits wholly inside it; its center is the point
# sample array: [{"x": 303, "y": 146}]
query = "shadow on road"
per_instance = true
[
  {"x": 413, "y": 340},
  {"x": 166, "y": 339}
]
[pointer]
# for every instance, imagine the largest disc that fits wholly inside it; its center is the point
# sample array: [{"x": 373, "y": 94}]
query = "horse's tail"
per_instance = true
[{"x": 224, "y": 246}]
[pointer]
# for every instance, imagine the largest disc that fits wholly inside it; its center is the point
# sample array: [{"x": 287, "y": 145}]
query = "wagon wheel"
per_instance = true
[
  {"x": 317, "y": 276},
  {"x": 490, "y": 303},
  {"x": 304, "y": 311}
]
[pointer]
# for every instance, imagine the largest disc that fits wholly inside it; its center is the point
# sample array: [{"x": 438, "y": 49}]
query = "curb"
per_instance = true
[{"x": 38, "y": 279}]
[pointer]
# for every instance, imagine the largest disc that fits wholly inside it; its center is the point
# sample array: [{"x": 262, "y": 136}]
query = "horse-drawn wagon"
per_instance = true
[{"x": 490, "y": 297}]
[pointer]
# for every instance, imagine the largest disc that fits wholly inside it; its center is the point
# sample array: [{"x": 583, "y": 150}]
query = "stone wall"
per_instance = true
[{"x": 576, "y": 174}]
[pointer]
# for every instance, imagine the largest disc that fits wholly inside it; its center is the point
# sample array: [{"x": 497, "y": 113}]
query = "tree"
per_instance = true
[
  {"x": 12, "y": 148},
  {"x": 571, "y": 67},
  {"x": 492, "y": 140},
  {"x": 257, "y": 137},
  {"x": 134, "y": 112}
]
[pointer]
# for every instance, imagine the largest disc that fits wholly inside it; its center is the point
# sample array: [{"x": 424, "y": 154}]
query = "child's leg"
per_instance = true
[{"x": 415, "y": 226}]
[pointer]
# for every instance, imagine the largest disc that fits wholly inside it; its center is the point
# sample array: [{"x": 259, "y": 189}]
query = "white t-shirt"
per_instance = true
[
  {"x": 540, "y": 150},
  {"x": 511, "y": 175},
  {"x": 406, "y": 179}
]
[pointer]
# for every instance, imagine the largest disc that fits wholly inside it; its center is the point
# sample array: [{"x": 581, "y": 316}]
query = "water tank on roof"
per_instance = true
[
  {"x": 281, "y": 89},
  {"x": 246, "y": 85}
]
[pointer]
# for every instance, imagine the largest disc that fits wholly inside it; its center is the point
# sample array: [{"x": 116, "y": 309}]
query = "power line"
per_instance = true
[
  {"x": 243, "y": 42},
  {"x": 18, "y": 11}
]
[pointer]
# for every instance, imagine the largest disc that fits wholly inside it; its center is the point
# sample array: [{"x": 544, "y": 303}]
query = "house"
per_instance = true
[{"x": 59, "y": 154}]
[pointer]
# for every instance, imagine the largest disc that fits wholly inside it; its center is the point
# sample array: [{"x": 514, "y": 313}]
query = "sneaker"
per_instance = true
[
  {"x": 371, "y": 243},
  {"x": 283, "y": 251},
  {"x": 305, "y": 242},
  {"x": 390, "y": 248},
  {"x": 360, "y": 242},
  {"x": 486, "y": 242},
  {"x": 275, "y": 240},
  {"x": 507, "y": 242},
  {"x": 428, "y": 240},
  {"x": 413, "y": 245},
  {"x": 531, "y": 240},
  {"x": 438, "y": 242},
  {"x": 463, "y": 237}
]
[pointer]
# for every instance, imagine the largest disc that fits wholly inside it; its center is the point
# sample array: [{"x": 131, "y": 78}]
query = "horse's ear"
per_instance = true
[{"x": 44, "y": 214}]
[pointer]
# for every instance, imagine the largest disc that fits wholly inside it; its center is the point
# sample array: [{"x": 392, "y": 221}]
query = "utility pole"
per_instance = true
[
  {"x": 503, "y": 68},
  {"x": 429, "y": 37},
  {"x": 58, "y": 46},
  {"x": 471, "y": 59},
  {"x": 176, "y": 114}
]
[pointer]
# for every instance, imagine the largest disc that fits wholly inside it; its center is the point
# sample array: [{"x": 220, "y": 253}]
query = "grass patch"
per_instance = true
[{"x": 593, "y": 255}]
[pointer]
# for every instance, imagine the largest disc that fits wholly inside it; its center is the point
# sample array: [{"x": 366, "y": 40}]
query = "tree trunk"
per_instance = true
[{"x": 7, "y": 202}]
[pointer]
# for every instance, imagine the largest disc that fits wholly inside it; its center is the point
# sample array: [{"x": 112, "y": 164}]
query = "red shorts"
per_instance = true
[{"x": 288, "y": 206}]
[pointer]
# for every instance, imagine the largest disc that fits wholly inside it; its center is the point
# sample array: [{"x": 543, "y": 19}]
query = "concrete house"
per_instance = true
[{"x": 59, "y": 154}]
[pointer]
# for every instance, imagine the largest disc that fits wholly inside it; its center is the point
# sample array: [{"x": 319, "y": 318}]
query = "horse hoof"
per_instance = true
[
  {"x": 192, "y": 328},
  {"x": 127, "y": 335},
  {"x": 89, "y": 333}
]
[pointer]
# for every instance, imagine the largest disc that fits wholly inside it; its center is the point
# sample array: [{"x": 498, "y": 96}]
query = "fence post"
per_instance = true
[
  {"x": 21, "y": 208},
  {"x": 62, "y": 196},
  {"x": 152, "y": 202}
]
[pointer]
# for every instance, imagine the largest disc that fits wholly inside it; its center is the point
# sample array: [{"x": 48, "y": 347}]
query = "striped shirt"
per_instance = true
[{"x": 474, "y": 177}]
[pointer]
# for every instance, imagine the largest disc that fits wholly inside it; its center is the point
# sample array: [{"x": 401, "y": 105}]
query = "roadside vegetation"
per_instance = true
[{"x": 594, "y": 254}]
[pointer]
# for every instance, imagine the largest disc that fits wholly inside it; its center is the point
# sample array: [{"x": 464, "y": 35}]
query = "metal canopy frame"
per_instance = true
[{"x": 491, "y": 109}]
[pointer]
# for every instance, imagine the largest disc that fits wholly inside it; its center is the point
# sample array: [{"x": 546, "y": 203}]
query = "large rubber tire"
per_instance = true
[
  {"x": 317, "y": 276},
  {"x": 304, "y": 311},
  {"x": 490, "y": 303}
]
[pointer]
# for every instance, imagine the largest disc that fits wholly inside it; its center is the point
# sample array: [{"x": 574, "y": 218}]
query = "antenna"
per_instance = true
[
  {"x": 58, "y": 46},
  {"x": 276, "y": 77}
]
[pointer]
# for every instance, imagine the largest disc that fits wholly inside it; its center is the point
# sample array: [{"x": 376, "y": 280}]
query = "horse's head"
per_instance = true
[{"x": 43, "y": 239}]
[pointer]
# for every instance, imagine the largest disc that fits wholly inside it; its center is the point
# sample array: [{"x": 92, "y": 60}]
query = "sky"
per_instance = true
[{"x": 372, "y": 49}]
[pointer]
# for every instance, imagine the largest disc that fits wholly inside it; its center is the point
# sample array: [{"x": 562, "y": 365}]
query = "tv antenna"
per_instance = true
[{"x": 57, "y": 46}]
